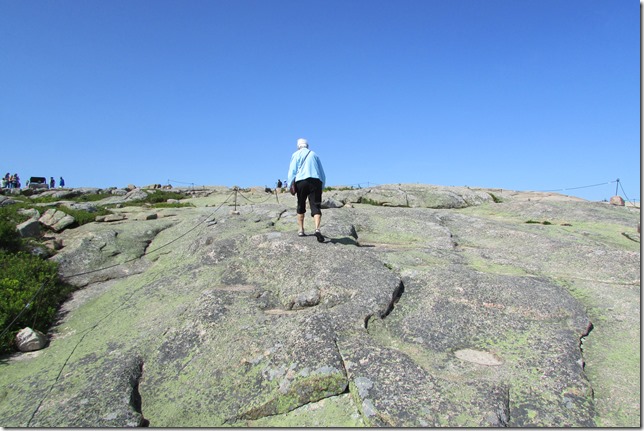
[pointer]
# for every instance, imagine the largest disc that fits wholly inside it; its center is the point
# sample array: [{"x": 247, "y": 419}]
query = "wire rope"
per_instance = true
[{"x": 111, "y": 266}]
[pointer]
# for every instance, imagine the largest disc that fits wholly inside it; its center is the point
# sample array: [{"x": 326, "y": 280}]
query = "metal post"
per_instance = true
[
  {"x": 235, "y": 212},
  {"x": 617, "y": 187}
]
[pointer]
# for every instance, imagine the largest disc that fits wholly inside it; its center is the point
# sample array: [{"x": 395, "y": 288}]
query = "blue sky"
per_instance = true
[{"x": 513, "y": 94}]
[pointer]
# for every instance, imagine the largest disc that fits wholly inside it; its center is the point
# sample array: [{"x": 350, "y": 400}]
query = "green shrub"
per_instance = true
[
  {"x": 83, "y": 216},
  {"x": 495, "y": 198},
  {"x": 159, "y": 196},
  {"x": 173, "y": 205},
  {"x": 93, "y": 197},
  {"x": 331, "y": 189},
  {"x": 546, "y": 222},
  {"x": 9, "y": 237},
  {"x": 21, "y": 277}
]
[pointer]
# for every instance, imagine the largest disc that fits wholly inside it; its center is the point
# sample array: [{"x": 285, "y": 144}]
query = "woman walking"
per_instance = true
[{"x": 307, "y": 173}]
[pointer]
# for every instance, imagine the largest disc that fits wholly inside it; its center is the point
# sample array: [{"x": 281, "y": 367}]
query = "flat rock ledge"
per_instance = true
[{"x": 424, "y": 307}]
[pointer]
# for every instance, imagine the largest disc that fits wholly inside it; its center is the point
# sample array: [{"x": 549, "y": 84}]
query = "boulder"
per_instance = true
[
  {"x": 617, "y": 201},
  {"x": 110, "y": 217},
  {"x": 31, "y": 213},
  {"x": 146, "y": 216},
  {"x": 29, "y": 228},
  {"x": 5, "y": 200},
  {"x": 81, "y": 206},
  {"x": 119, "y": 198},
  {"x": 56, "y": 219},
  {"x": 331, "y": 203},
  {"x": 29, "y": 340},
  {"x": 67, "y": 194}
]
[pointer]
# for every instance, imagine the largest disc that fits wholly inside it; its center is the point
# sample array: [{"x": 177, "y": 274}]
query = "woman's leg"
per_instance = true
[
  {"x": 302, "y": 194},
  {"x": 300, "y": 222}
]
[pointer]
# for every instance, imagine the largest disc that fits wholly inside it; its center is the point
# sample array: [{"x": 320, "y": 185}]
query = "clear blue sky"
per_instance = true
[{"x": 513, "y": 94}]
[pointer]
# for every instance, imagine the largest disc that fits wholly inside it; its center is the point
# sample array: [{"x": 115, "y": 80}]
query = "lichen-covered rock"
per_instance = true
[
  {"x": 413, "y": 196},
  {"x": 412, "y": 315}
]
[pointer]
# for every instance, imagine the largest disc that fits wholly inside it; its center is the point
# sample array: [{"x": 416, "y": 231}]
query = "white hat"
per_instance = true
[{"x": 302, "y": 143}]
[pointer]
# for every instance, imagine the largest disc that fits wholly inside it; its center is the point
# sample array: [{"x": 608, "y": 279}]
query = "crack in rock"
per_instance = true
[
  {"x": 395, "y": 297},
  {"x": 136, "y": 402}
]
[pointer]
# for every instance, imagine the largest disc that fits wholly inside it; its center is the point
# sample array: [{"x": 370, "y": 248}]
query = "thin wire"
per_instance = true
[
  {"x": 627, "y": 198},
  {"x": 580, "y": 187},
  {"x": 156, "y": 249},
  {"x": 180, "y": 182},
  {"x": 91, "y": 328},
  {"x": 111, "y": 266},
  {"x": 26, "y": 307}
]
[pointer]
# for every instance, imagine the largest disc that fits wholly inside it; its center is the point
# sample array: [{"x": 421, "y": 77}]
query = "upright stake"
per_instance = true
[{"x": 617, "y": 187}]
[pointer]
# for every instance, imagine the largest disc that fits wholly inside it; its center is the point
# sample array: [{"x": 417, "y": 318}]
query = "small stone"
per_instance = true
[
  {"x": 478, "y": 357},
  {"x": 29, "y": 340}
]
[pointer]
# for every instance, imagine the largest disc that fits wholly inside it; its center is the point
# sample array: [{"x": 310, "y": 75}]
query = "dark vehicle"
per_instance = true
[{"x": 38, "y": 183}]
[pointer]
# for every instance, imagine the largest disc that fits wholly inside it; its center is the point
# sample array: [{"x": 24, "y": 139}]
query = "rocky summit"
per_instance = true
[{"x": 425, "y": 306}]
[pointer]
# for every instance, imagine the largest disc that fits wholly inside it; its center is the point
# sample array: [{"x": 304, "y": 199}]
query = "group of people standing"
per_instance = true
[
  {"x": 11, "y": 181},
  {"x": 52, "y": 183}
]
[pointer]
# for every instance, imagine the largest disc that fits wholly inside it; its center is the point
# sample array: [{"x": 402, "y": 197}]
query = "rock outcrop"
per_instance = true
[
  {"x": 56, "y": 220},
  {"x": 425, "y": 307}
]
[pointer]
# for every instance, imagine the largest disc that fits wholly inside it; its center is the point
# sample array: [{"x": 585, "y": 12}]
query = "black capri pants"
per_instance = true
[{"x": 310, "y": 188}]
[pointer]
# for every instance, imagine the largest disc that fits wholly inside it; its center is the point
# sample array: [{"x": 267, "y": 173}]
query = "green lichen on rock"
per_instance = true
[{"x": 441, "y": 308}]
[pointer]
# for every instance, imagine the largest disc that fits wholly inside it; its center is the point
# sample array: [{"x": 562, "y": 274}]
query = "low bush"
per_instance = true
[
  {"x": 495, "y": 198},
  {"x": 10, "y": 240},
  {"x": 159, "y": 196},
  {"x": 173, "y": 205},
  {"x": 83, "y": 216},
  {"x": 30, "y": 291},
  {"x": 332, "y": 189}
]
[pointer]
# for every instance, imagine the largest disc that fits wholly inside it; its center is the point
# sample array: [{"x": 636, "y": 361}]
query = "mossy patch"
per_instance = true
[{"x": 338, "y": 411}]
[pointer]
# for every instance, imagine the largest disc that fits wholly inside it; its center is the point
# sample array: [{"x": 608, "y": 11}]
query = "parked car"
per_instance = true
[{"x": 38, "y": 183}]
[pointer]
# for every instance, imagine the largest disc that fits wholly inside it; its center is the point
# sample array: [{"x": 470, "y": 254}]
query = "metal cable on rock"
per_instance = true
[
  {"x": 95, "y": 325},
  {"x": 156, "y": 249}
]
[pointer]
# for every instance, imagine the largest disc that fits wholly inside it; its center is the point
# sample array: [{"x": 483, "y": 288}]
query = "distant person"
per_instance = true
[
  {"x": 279, "y": 183},
  {"x": 52, "y": 183},
  {"x": 5, "y": 181},
  {"x": 307, "y": 172},
  {"x": 61, "y": 182}
]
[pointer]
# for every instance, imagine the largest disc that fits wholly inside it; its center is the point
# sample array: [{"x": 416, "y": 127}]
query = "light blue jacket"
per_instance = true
[{"x": 312, "y": 167}]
